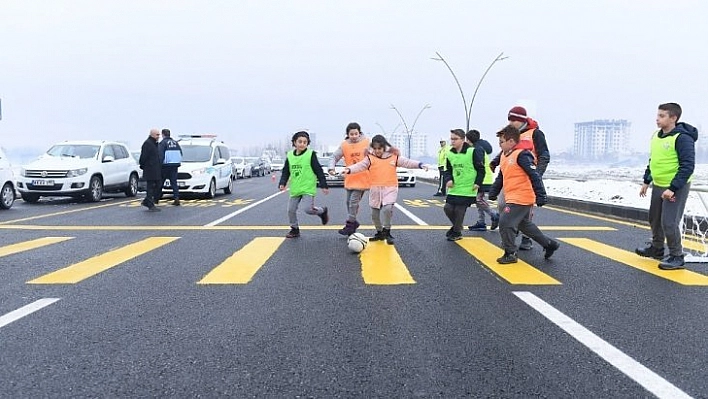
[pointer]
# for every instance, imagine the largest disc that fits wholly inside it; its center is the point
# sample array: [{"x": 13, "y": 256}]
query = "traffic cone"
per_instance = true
[{"x": 272, "y": 177}]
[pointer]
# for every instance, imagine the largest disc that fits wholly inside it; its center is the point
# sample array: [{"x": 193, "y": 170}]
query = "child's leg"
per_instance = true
[
  {"x": 376, "y": 218},
  {"x": 529, "y": 229},
  {"x": 671, "y": 217},
  {"x": 292, "y": 210},
  {"x": 482, "y": 206},
  {"x": 387, "y": 216},
  {"x": 456, "y": 215},
  {"x": 509, "y": 223},
  {"x": 353, "y": 200},
  {"x": 655, "y": 216},
  {"x": 310, "y": 207}
]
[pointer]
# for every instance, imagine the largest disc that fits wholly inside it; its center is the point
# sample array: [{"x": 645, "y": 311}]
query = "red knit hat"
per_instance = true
[{"x": 517, "y": 114}]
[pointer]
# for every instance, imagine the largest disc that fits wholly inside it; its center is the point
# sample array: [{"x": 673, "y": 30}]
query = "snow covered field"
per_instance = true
[{"x": 599, "y": 183}]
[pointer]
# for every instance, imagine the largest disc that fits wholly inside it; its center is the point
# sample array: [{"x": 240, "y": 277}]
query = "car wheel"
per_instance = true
[
  {"x": 7, "y": 196},
  {"x": 132, "y": 189},
  {"x": 212, "y": 189},
  {"x": 413, "y": 185},
  {"x": 95, "y": 189},
  {"x": 31, "y": 198},
  {"x": 229, "y": 187}
]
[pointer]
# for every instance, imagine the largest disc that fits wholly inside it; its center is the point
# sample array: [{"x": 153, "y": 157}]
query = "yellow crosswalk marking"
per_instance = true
[
  {"x": 695, "y": 245},
  {"x": 515, "y": 273},
  {"x": 32, "y": 244},
  {"x": 381, "y": 265},
  {"x": 685, "y": 277},
  {"x": 240, "y": 267},
  {"x": 92, "y": 266}
]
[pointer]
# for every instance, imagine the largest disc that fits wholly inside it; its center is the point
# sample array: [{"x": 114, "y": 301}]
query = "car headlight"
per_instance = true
[
  {"x": 23, "y": 172},
  {"x": 76, "y": 172},
  {"x": 197, "y": 172}
]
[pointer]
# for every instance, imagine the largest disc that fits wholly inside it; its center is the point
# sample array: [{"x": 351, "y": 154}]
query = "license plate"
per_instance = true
[
  {"x": 181, "y": 184},
  {"x": 42, "y": 182}
]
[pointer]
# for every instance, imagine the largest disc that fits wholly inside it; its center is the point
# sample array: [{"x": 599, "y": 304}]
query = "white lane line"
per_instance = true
[
  {"x": 651, "y": 381},
  {"x": 244, "y": 209},
  {"x": 26, "y": 310},
  {"x": 410, "y": 215}
]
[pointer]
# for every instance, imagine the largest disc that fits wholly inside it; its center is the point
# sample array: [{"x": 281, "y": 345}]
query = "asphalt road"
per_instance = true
[{"x": 210, "y": 300}]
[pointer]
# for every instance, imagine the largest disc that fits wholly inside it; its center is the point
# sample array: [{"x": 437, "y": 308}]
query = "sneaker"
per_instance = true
[
  {"x": 479, "y": 226},
  {"x": 509, "y": 257},
  {"x": 495, "y": 221},
  {"x": 650, "y": 252},
  {"x": 379, "y": 236},
  {"x": 293, "y": 233},
  {"x": 672, "y": 262},
  {"x": 526, "y": 243},
  {"x": 175, "y": 202},
  {"x": 449, "y": 232},
  {"x": 454, "y": 236},
  {"x": 324, "y": 216},
  {"x": 349, "y": 228},
  {"x": 551, "y": 248}
]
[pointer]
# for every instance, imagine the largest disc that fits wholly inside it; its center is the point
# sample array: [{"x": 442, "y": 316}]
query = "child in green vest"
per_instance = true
[
  {"x": 473, "y": 137},
  {"x": 303, "y": 169},
  {"x": 671, "y": 162}
]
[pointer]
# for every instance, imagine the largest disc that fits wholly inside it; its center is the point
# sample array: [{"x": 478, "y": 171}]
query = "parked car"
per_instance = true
[
  {"x": 267, "y": 166},
  {"x": 7, "y": 179},
  {"x": 405, "y": 177},
  {"x": 257, "y": 166},
  {"x": 206, "y": 167},
  {"x": 336, "y": 180},
  {"x": 142, "y": 184},
  {"x": 241, "y": 168},
  {"x": 84, "y": 169}
]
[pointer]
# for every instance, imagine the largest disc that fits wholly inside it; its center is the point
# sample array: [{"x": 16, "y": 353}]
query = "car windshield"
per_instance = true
[
  {"x": 325, "y": 162},
  {"x": 237, "y": 160},
  {"x": 74, "y": 151},
  {"x": 196, "y": 153}
]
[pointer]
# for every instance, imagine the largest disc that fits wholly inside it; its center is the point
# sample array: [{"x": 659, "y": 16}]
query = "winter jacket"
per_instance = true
[
  {"x": 685, "y": 145},
  {"x": 150, "y": 160}
]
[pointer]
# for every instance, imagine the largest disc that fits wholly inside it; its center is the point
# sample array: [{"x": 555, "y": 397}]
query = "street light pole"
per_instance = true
[
  {"x": 383, "y": 131},
  {"x": 409, "y": 132},
  {"x": 468, "y": 110}
]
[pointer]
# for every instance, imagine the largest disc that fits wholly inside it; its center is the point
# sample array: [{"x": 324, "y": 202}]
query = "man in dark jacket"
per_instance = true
[
  {"x": 171, "y": 159},
  {"x": 152, "y": 170}
]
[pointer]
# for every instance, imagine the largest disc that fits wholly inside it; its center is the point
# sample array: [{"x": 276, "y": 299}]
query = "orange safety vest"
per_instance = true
[
  {"x": 353, "y": 153},
  {"x": 517, "y": 184},
  {"x": 383, "y": 171},
  {"x": 527, "y": 138}
]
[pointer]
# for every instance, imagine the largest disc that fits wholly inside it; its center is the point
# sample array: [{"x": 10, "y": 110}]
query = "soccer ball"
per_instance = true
[{"x": 357, "y": 242}]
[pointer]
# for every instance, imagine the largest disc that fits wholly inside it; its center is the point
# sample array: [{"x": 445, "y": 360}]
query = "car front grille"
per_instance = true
[
  {"x": 46, "y": 174},
  {"x": 184, "y": 176}
]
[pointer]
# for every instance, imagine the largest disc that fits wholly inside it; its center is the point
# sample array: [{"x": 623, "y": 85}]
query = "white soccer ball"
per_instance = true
[{"x": 357, "y": 242}]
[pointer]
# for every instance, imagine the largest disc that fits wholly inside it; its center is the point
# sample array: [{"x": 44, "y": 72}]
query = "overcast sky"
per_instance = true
[{"x": 257, "y": 71}]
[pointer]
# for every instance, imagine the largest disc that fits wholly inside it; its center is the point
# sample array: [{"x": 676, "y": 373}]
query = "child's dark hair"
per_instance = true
[
  {"x": 673, "y": 109},
  {"x": 509, "y": 133},
  {"x": 351, "y": 126},
  {"x": 472, "y": 136},
  {"x": 301, "y": 133},
  {"x": 380, "y": 141}
]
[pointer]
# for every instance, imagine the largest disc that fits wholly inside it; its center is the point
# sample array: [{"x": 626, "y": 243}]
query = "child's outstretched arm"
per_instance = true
[
  {"x": 359, "y": 166},
  {"x": 284, "y": 175}
]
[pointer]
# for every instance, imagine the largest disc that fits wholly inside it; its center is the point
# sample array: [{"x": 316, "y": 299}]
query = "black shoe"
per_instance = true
[
  {"x": 449, "y": 232},
  {"x": 495, "y": 221},
  {"x": 551, "y": 248},
  {"x": 454, "y": 236},
  {"x": 479, "y": 226},
  {"x": 389, "y": 237},
  {"x": 379, "y": 236},
  {"x": 650, "y": 252},
  {"x": 293, "y": 233},
  {"x": 324, "y": 216},
  {"x": 672, "y": 263},
  {"x": 349, "y": 228},
  {"x": 526, "y": 243},
  {"x": 175, "y": 202},
  {"x": 509, "y": 257}
]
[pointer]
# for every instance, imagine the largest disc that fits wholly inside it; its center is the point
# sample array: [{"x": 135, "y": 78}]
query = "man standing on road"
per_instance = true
[
  {"x": 442, "y": 162},
  {"x": 171, "y": 157},
  {"x": 152, "y": 170}
]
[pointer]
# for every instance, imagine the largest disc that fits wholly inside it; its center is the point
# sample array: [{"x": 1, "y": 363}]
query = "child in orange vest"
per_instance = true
[
  {"x": 381, "y": 162},
  {"x": 522, "y": 188}
]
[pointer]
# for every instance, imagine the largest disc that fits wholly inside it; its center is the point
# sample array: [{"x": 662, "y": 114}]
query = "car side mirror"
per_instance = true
[
  {"x": 108, "y": 158},
  {"x": 220, "y": 161}
]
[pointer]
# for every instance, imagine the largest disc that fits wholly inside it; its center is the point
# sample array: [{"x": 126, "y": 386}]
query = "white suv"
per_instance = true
[
  {"x": 206, "y": 167},
  {"x": 83, "y": 169},
  {"x": 7, "y": 180}
]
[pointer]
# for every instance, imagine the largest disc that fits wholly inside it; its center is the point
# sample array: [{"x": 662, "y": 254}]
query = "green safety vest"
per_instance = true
[
  {"x": 442, "y": 156},
  {"x": 488, "y": 174},
  {"x": 663, "y": 161},
  {"x": 303, "y": 180},
  {"x": 463, "y": 173}
]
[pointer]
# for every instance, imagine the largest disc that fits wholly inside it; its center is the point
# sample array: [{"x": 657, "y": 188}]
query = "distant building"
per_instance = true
[
  {"x": 418, "y": 144},
  {"x": 601, "y": 139}
]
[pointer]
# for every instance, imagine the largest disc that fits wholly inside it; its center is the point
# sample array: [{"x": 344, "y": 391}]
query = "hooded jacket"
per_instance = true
[{"x": 685, "y": 149}]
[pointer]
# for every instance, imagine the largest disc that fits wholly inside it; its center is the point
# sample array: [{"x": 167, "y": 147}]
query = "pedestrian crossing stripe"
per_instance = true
[
  {"x": 97, "y": 264},
  {"x": 32, "y": 244},
  {"x": 381, "y": 265},
  {"x": 520, "y": 273},
  {"x": 240, "y": 267},
  {"x": 649, "y": 265}
]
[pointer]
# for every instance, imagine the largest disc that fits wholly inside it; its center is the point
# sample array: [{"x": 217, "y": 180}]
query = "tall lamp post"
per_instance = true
[
  {"x": 468, "y": 111},
  {"x": 383, "y": 131},
  {"x": 409, "y": 132}
]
